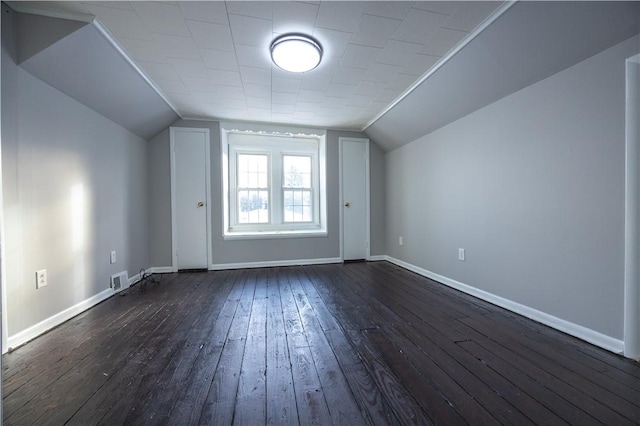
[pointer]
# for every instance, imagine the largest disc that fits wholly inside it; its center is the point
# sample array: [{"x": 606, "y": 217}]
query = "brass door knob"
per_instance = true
[
  {"x": 347, "y": 204},
  {"x": 200, "y": 204}
]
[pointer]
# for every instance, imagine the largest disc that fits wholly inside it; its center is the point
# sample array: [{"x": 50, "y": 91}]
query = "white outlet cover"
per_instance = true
[
  {"x": 113, "y": 256},
  {"x": 460, "y": 254},
  {"x": 41, "y": 278}
]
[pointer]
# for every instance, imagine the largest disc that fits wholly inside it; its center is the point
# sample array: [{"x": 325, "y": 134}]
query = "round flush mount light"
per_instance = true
[{"x": 296, "y": 52}]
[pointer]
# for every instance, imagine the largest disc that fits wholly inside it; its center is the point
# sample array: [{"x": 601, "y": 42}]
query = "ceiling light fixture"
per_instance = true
[{"x": 296, "y": 52}]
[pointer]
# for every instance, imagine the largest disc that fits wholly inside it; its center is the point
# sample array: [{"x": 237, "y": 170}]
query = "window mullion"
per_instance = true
[
  {"x": 233, "y": 182},
  {"x": 276, "y": 175},
  {"x": 315, "y": 187}
]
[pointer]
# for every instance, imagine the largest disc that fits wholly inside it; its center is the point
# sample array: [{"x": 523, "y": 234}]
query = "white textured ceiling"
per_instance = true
[{"x": 211, "y": 60}]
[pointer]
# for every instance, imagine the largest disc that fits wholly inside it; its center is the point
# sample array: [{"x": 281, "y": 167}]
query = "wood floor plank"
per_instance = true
[
  {"x": 597, "y": 371},
  {"x": 281, "y": 401},
  {"x": 561, "y": 408},
  {"x": 404, "y": 406},
  {"x": 311, "y": 404},
  {"x": 427, "y": 381},
  {"x": 342, "y": 405},
  {"x": 97, "y": 368},
  {"x": 190, "y": 398},
  {"x": 369, "y": 398},
  {"x": 169, "y": 342},
  {"x": 538, "y": 371},
  {"x": 444, "y": 350},
  {"x": 21, "y": 370},
  {"x": 467, "y": 331},
  {"x": 75, "y": 370},
  {"x": 250, "y": 408},
  {"x": 153, "y": 353},
  {"x": 611, "y": 408},
  {"x": 71, "y": 335},
  {"x": 447, "y": 360},
  {"x": 220, "y": 402},
  {"x": 191, "y": 340}
]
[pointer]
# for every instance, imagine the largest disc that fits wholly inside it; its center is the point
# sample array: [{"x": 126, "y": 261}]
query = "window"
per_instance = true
[
  {"x": 297, "y": 189},
  {"x": 273, "y": 183},
  {"x": 252, "y": 189}
]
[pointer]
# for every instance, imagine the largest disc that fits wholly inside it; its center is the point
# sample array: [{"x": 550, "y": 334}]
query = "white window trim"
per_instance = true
[{"x": 231, "y": 230}]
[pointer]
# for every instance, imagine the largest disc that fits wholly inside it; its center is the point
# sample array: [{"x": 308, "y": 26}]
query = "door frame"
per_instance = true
[
  {"x": 174, "y": 219},
  {"x": 366, "y": 141},
  {"x": 631, "y": 332}
]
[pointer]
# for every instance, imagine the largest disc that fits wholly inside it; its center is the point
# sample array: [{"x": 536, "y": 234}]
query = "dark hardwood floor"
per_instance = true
[{"x": 359, "y": 343}]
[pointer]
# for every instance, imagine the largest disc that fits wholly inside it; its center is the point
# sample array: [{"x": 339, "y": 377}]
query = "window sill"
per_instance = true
[{"x": 257, "y": 235}]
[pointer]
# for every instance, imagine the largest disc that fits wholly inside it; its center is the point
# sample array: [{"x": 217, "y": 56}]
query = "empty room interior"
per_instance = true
[{"x": 333, "y": 212}]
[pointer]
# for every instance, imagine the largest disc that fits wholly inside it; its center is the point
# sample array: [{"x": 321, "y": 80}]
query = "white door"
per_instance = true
[
  {"x": 355, "y": 198},
  {"x": 190, "y": 206}
]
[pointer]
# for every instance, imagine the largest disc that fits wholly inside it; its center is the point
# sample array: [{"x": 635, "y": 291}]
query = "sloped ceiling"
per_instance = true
[
  {"x": 529, "y": 42},
  {"x": 397, "y": 70},
  {"x": 210, "y": 59},
  {"x": 76, "y": 58}
]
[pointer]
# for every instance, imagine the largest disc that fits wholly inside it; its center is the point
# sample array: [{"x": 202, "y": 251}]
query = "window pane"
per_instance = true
[
  {"x": 253, "y": 171},
  {"x": 263, "y": 179},
  {"x": 288, "y": 215},
  {"x": 252, "y": 179},
  {"x": 297, "y": 171},
  {"x": 306, "y": 214},
  {"x": 253, "y": 206},
  {"x": 297, "y": 205}
]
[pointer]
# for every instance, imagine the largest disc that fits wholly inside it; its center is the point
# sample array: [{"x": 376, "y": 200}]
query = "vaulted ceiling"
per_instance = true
[
  {"x": 396, "y": 70},
  {"x": 211, "y": 59}
]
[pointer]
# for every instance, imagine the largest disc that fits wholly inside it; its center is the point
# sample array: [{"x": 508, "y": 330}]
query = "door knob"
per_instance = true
[
  {"x": 347, "y": 204},
  {"x": 200, "y": 204}
]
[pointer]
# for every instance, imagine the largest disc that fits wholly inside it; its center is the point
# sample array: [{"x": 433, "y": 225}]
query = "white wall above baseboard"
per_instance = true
[
  {"x": 134, "y": 279},
  {"x": 584, "y": 333}
]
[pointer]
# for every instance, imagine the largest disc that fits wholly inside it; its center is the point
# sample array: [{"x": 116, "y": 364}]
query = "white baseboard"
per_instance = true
[
  {"x": 377, "y": 258},
  {"x": 43, "y": 326},
  {"x": 160, "y": 270},
  {"x": 584, "y": 333},
  {"x": 269, "y": 264},
  {"x": 134, "y": 279}
]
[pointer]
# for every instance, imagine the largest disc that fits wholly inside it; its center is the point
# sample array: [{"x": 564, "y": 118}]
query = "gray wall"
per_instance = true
[
  {"x": 532, "y": 187},
  {"x": 159, "y": 200},
  {"x": 74, "y": 186},
  {"x": 378, "y": 199},
  {"x": 259, "y": 250}
]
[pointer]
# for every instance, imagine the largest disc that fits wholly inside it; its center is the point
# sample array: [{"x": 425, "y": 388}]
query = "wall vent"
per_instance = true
[{"x": 119, "y": 281}]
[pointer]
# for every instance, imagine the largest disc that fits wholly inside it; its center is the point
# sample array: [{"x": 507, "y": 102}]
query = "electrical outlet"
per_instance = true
[
  {"x": 400, "y": 241},
  {"x": 41, "y": 278},
  {"x": 461, "y": 254},
  {"x": 113, "y": 256}
]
